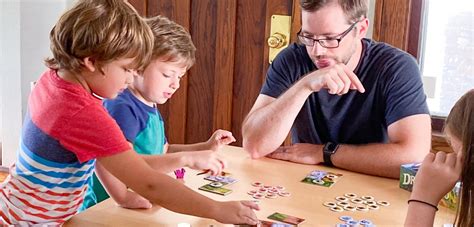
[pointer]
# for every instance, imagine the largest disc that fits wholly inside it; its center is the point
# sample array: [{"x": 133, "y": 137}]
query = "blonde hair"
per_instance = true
[
  {"x": 104, "y": 30},
  {"x": 172, "y": 41}
]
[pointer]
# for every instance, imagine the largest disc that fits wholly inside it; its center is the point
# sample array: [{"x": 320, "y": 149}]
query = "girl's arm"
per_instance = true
[{"x": 437, "y": 176}]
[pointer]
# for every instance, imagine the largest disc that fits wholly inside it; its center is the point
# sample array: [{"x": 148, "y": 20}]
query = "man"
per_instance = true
[{"x": 349, "y": 101}]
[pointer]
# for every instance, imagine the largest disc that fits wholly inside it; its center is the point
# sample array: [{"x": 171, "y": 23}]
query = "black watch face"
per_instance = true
[{"x": 331, "y": 147}]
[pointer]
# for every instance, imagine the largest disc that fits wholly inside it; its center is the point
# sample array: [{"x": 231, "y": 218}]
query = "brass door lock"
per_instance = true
[
  {"x": 276, "y": 40},
  {"x": 279, "y": 36}
]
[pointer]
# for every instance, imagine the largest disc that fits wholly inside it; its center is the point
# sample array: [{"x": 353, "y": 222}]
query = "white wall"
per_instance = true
[
  {"x": 25, "y": 27},
  {"x": 1, "y": 80},
  {"x": 11, "y": 72},
  {"x": 371, "y": 18}
]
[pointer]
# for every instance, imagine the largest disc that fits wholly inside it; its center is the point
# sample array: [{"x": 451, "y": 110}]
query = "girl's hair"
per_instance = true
[
  {"x": 460, "y": 123},
  {"x": 172, "y": 41},
  {"x": 104, "y": 30},
  {"x": 353, "y": 9}
]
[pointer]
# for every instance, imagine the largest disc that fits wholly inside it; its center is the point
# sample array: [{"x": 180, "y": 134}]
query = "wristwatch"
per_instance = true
[{"x": 329, "y": 149}]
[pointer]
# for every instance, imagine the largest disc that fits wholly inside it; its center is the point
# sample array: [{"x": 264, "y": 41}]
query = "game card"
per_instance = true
[
  {"x": 322, "y": 178},
  {"x": 286, "y": 218},
  {"x": 223, "y": 173},
  {"x": 212, "y": 187},
  {"x": 267, "y": 224},
  {"x": 222, "y": 179}
]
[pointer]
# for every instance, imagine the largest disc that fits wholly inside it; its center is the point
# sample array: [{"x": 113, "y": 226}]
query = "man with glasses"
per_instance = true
[{"x": 349, "y": 101}]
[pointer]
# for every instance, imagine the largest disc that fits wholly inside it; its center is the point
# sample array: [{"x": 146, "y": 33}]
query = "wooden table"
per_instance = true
[{"x": 305, "y": 201}]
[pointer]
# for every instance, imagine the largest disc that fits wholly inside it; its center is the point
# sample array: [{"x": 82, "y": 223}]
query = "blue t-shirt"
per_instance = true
[
  {"x": 393, "y": 90},
  {"x": 142, "y": 126}
]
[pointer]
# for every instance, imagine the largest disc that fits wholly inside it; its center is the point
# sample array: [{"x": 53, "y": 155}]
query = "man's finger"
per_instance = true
[{"x": 355, "y": 80}]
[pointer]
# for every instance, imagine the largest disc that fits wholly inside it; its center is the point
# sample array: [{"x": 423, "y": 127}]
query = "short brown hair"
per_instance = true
[
  {"x": 172, "y": 41},
  {"x": 104, "y": 30},
  {"x": 353, "y": 9}
]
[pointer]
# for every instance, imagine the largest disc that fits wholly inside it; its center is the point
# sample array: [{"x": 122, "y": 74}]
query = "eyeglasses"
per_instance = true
[{"x": 331, "y": 42}]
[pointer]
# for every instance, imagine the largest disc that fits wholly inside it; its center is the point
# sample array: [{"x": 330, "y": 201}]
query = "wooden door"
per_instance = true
[{"x": 231, "y": 62}]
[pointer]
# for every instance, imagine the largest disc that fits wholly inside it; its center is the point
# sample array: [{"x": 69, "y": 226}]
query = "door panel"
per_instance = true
[{"x": 231, "y": 62}]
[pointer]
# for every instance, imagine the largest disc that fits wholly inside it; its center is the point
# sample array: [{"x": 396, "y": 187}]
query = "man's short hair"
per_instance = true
[
  {"x": 172, "y": 41},
  {"x": 104, "y": 30},
  {"x": 353, "y": 9}
]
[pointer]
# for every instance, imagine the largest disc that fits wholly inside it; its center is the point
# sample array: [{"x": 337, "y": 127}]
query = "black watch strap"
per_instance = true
[{"x": 329, "y": 149}]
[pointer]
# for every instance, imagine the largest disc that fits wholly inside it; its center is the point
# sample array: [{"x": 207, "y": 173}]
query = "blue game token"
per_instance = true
[
  {"x": 365, "y": 222},
  {"x": 342, "y": 225},
  {"x": 345, "y": 218},
  {"x": 352, "y": 223}
]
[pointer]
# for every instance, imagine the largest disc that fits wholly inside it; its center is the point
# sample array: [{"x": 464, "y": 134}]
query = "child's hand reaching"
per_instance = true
[
  {"x": 238, "y": 212},
  {"x": 220, "y": 138},
  {"x": 437, "y": 176},
  {"x": 208, "y": 160}
]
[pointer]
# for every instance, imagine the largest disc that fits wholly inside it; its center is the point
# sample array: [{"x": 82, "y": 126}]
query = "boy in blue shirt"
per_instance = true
[{"x": 137, "y": 115}]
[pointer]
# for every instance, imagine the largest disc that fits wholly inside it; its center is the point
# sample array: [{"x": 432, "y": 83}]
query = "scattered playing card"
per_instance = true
[
  {"x": 322, "y": 178},
  {"x": 223, "y": 173},
  {"x": 286, "y": 218},
  {"x": 222, "y": 179},
  {"x": 267, "y": 224},
  {"x": 211, "y": 187}
]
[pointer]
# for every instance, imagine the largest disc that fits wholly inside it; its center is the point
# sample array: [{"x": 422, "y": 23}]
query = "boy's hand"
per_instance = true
[
  {"x": 135, "y": 201},
  {"x": 220, "y": 138},
  {"x": 238, "y": 212},
  {"x": 437, "y": 176},
  {"x": 207, "y": 159}
]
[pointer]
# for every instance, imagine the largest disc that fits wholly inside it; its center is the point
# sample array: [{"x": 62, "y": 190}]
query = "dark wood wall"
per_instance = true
[
  {"x": 231, "y": 62},
  {"x": 397, "y": 22}
]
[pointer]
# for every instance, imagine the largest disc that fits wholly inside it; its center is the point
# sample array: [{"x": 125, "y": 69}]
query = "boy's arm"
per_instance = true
[
  {"x": 205, "y": 159},
  {"x": 161, "y": 189},
  {"x": 218, "y": 139},
  {"x": 173, "y": 148},
  {"x": 118, "y": 191}
]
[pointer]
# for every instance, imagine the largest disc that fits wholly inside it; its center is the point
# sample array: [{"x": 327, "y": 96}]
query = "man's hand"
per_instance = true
[
  {"x": 338, "y": 79},
  {"x": 305, "y": 153},
  {"x": 220, "y": 138}
]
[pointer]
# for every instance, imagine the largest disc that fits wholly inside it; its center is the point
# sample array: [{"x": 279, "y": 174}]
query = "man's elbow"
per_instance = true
[{"x": 252, "y": 149}]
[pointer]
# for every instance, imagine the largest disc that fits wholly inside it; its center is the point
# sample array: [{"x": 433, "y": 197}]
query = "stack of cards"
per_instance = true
[
  {"x": 216, "y": 187},
  {"x": 322, "y": 178},
  {"x": 218, "y": 183},
  {"x": 222, "y": 179}
]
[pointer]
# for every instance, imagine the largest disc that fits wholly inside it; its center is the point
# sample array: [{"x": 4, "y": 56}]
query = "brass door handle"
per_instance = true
[
  {"x": 277, "y": 40},
  {"x": 279, "y": 37}
]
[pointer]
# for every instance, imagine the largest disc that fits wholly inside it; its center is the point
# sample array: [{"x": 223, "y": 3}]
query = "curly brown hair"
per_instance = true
[{"x": 104, "y": 30}]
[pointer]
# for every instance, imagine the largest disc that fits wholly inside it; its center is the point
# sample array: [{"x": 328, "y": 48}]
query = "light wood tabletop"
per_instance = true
[{"x": 306, "y": 200}]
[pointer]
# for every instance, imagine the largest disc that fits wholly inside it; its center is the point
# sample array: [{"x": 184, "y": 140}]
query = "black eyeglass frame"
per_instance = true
[{"x": 321, "y": 41}]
